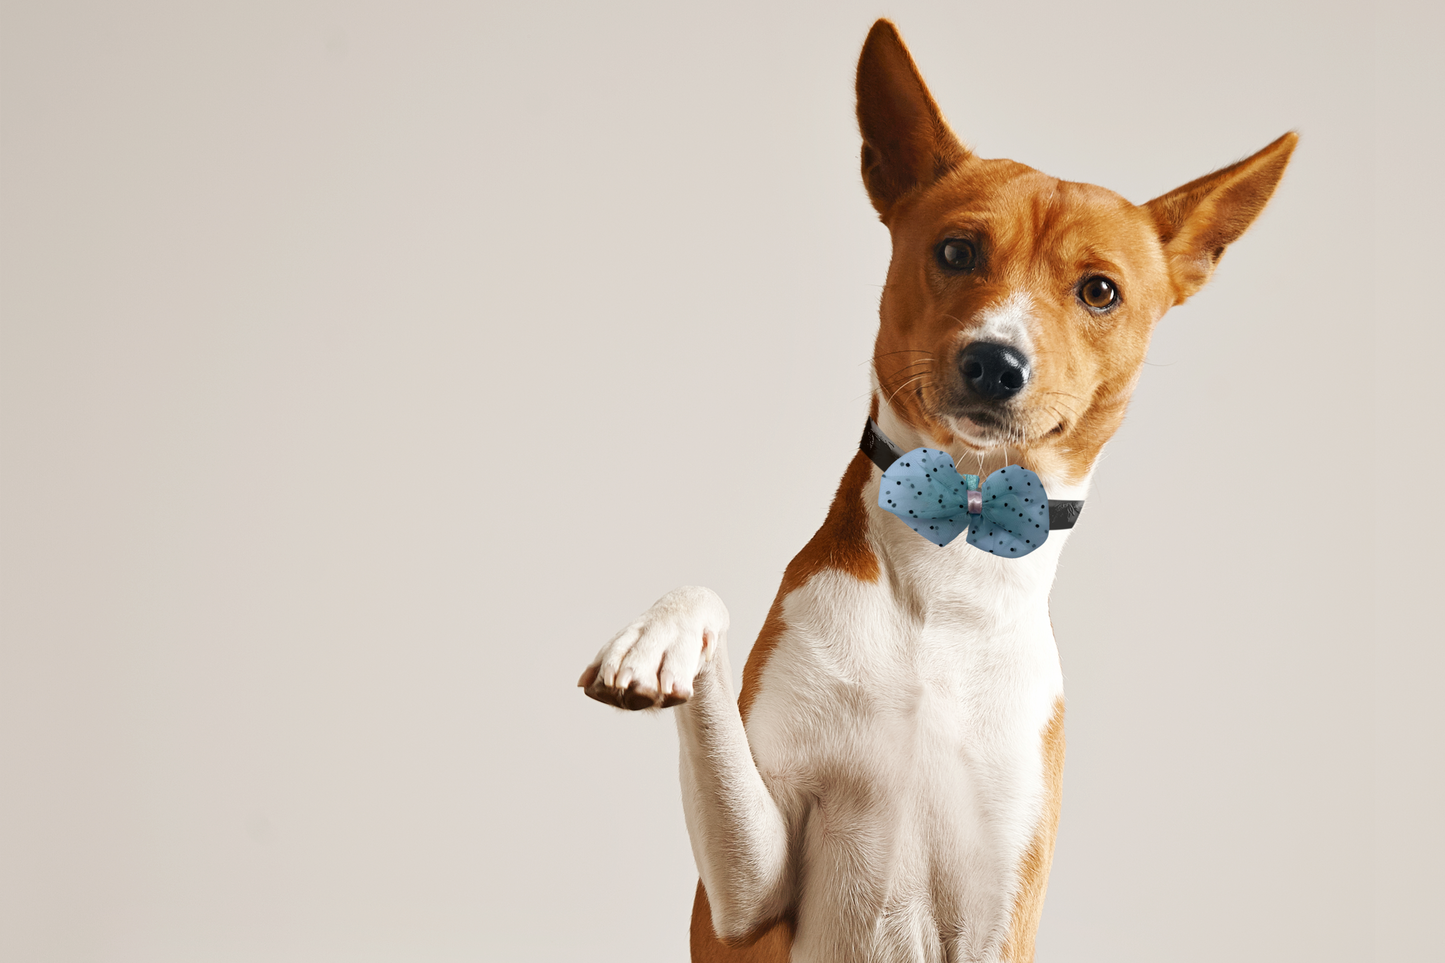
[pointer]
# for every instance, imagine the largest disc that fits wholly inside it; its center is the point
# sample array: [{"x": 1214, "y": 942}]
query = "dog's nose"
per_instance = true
[{"x": 995, "y": 371}]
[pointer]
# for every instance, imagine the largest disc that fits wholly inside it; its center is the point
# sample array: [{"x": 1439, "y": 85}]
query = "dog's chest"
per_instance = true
[{"x": 904, "y": 746}]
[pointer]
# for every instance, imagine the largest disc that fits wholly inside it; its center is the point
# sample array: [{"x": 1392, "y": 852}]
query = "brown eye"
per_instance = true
[
  {"x": 1098, "y": 293},
  {"x": 957, "y": 254}
]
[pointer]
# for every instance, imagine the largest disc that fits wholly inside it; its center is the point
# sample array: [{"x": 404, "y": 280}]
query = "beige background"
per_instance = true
[{"x": 364, "y": 366}]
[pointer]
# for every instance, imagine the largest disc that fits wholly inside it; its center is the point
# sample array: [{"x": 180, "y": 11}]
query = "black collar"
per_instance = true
[{"x": 883, "y": 453}]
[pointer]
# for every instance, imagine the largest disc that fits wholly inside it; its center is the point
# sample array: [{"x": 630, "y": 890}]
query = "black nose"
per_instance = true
[{"x": 995, "y": 371}]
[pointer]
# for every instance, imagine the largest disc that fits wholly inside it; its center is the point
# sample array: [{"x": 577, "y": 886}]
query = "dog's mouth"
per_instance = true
[
  {"x": 982, "y": 426},
  {"x": 991, "y": 412},
  {"x": 983, "y": 430}
]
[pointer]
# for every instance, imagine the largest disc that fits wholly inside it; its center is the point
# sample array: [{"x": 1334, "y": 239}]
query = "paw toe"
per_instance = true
[
  {"x": 635, "y": 699},
  {"x": 596, "y": 689}
]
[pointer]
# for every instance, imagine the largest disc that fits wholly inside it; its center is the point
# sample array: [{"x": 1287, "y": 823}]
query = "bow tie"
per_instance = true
[{"x": 1009, "y": 514}]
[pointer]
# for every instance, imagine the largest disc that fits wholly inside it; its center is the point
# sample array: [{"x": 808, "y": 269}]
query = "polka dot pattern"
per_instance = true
[
  {"x": 925, "y": 490},
  {"x": 1015, "y": 518}
]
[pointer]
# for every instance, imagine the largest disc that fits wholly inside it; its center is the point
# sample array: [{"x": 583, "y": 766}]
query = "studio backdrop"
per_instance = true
[{"x": 365, "y": 366}]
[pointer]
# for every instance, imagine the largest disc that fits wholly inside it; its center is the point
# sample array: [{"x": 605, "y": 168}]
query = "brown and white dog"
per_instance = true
[{"x": 887, "y": 785}]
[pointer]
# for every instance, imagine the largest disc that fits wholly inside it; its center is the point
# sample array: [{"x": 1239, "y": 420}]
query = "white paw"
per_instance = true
[{"x": 654, "y": 661}]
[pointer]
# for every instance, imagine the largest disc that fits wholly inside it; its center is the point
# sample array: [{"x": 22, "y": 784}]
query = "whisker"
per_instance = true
[
  {"x": 885, "y": 383},
  {"x": 1056, "y": 405},
  {"x": 1064, "y": 394},
  {"x": 1058, "y": 415},
  {"x": 904, "y": 351},
  {"x": 905, "y": 385},
  {"x": 902, "y": 370},
  {"x": 903, "y": 382}
]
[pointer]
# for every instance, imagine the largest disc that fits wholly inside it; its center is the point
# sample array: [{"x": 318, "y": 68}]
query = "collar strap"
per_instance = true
[
  {"x": 883, "y": 453},
  {"x": 877, "y": 446}
]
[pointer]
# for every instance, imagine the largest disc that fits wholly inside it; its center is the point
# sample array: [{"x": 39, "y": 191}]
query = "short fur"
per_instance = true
[{"x": 887, "y": 785}]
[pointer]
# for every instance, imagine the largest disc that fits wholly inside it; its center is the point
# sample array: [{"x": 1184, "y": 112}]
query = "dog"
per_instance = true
[{"x": 887, "y": 784}]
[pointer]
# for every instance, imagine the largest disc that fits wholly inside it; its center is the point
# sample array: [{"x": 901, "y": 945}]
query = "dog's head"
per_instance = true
[{"x": 1018, "y": 307}]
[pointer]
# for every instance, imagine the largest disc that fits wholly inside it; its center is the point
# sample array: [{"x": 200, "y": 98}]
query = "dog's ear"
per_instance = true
[
  {"x": 906, "y": 141},
  {"x": 1198, "y": 221}
]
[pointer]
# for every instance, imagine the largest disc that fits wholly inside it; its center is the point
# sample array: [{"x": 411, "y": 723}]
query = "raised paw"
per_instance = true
[{"x": 653, "y": 662}]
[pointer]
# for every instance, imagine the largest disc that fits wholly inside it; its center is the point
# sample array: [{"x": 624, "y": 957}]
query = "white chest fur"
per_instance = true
[
  {"x": 898, "y": 725},
  {"x": 890, "y": 784}
]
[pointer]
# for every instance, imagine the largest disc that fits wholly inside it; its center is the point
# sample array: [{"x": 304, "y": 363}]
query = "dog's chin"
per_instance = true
[
  {"x": 975, "y": 434},
  {"x": 983, "y": 434}
]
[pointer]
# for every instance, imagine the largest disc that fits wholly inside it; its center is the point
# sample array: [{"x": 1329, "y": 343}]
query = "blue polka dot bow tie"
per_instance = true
[{"x": 1008, "y": 514}]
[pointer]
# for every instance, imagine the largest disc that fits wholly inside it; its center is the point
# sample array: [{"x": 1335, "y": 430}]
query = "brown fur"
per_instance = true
[
  {"x": 1035, "y": 235},
  {"x": 771, "y": 944},
  {"x": 1034, "y": 872},
  {"x": 1197, "y": 221}
]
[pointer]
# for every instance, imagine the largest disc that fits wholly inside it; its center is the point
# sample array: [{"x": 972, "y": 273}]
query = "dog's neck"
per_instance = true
[
  {"x": 982, "y": 464},
  {"x": 959, "y": 574}
]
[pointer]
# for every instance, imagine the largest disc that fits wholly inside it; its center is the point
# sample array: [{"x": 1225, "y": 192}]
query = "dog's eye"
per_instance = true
[
  {"x": 1098, "y": 293},
  {"x": 957, "y": 254}
]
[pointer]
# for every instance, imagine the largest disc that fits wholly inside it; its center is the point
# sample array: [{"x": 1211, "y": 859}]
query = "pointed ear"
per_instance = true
[
  {"x": 906, "y": 141},
  {"x": 1198, "y": 221}
]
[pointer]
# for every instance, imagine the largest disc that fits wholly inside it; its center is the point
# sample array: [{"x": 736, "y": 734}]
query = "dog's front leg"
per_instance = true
[{"x": 675, "y": 653}]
